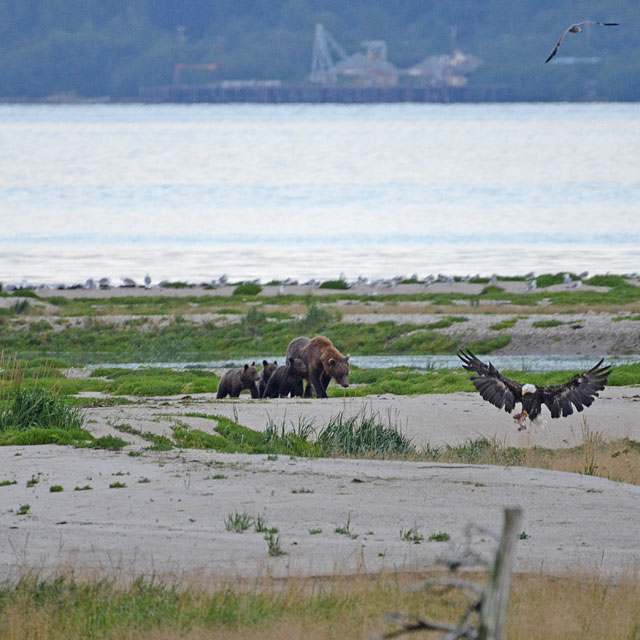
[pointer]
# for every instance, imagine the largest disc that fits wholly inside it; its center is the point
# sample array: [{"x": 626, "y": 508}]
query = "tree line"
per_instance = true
[{"x": 97, "y": 48}]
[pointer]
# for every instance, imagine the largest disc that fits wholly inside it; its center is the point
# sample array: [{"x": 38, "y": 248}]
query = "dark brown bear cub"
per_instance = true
[
  {"x": 287, "y": 380},
  {"x": 234, "y": 381},
  {"x": 323, "y": 362},
  {"x": 267, "y": 371}
]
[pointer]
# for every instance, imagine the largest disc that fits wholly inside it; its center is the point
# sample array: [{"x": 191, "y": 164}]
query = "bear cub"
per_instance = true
[
  {"x": 267, "y": 371},
  {"x": 234, "y": 381},
  {"x": 287, "y": 380}
]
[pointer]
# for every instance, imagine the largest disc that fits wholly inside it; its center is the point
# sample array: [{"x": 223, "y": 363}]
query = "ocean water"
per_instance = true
[{"x": 191, "y": 192}]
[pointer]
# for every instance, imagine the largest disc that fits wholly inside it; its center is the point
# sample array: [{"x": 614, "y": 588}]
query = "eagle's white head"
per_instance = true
[{"x": 528, "y": 388}]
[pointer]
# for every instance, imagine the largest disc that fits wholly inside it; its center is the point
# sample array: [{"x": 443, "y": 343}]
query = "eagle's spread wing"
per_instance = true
[
  {"x": 491, "y": 384},
  {"x": 580, "y": 391}
]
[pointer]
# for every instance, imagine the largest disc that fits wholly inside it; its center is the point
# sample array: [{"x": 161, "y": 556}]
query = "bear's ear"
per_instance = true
[
  {"x": 291, "y": 362},
  {"x": 246, "y": 366},
  {"x": 253, "y": 364},
  {"x": 348, "y": 356},
  {"x": 264, "y": 363},
  {"x": 275, "y": 362},
  {"x": 331, "y": 362}
]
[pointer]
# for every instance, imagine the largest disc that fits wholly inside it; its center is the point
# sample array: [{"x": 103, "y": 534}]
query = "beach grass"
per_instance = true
[
  {"x": 540, "y": 607},
  {"x": 180, "y": 341}
]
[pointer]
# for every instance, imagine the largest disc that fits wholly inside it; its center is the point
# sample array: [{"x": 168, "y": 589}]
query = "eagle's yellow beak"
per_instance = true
[{"x": 525, "y": 413}]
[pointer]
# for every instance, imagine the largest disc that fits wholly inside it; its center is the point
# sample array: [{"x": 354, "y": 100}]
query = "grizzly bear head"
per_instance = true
[
  {"x": 339, "y": 370},
  {"x": 249, "y": 373},
  {"x": 267, "y": 369}
]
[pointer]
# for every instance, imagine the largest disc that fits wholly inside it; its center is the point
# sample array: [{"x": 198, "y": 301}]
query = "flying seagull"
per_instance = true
[
  {"x": 560, "y": 399},
  {"x": 575, "y": 28}
]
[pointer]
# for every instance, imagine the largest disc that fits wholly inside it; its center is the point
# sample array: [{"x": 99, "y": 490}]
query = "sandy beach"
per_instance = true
[{"x": 169, "y": 517}]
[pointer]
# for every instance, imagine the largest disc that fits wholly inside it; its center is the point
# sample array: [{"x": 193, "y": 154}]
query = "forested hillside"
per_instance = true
[{"x": 113, "y": 47}]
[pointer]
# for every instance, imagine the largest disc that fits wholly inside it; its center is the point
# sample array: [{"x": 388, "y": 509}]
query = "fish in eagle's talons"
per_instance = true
[
  {"x": 560, "y": 399},
  {"x": 521, "y": 420}
]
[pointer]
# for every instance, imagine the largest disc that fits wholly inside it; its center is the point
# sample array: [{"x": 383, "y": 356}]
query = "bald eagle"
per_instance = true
[{"x": 560, "y": 399}]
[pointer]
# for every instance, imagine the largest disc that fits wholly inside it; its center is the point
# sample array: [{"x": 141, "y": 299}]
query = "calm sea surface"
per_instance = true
[{"x": 311, "y": 191}]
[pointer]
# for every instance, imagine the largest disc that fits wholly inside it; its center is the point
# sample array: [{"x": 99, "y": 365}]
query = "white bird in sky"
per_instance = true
[{"x": 575, "y": 28}]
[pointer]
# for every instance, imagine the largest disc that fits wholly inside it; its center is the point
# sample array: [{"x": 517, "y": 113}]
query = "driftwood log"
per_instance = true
[{"x": 485, "y": 616}]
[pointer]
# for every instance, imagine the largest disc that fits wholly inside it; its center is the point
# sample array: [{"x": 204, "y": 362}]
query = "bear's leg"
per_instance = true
[
  {"x": 254, "y": 390},
  {"x": 222, "y": 389},
  {"x": 297, "y": 388},
  {"x": 318, "y": 387}
]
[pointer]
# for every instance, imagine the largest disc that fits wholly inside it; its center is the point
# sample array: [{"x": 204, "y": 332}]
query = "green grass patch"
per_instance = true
[
  {"x": 24, "y": 408},
  {"x": 366, "y": 434},
  {"x": 32, "y": 416},
  {"x": 156, "y": 381},
  {"x": 361, "y": 435},
  {"x": 39, "y": 435},
  {"x": 112, "y": 443},
  {"x": 421, "y": 342},
  {"x": 247, "y": 289},
  {"x": 445, "y": 322},
  {"x": 489, "y": 345},
  {"x": 334, "y": 284},
  {"x": 56, "y": 488},
  {"x": 549, "y": 279},
  {"x": 158, "y": 442},
  {"x": 547, "y": 324},
  {"x": 411, "y": 535},
  {"x": 238, "y": 522},
  {"x": 439, "y": 537},
  {"x": 508, "y": 323},
  {"x": 231, "y": 437}
]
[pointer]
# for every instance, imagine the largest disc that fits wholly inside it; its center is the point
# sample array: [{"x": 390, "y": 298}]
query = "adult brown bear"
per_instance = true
[
  {"x": 323, "y": 362},
  {"x": 234, "y": 381}
]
